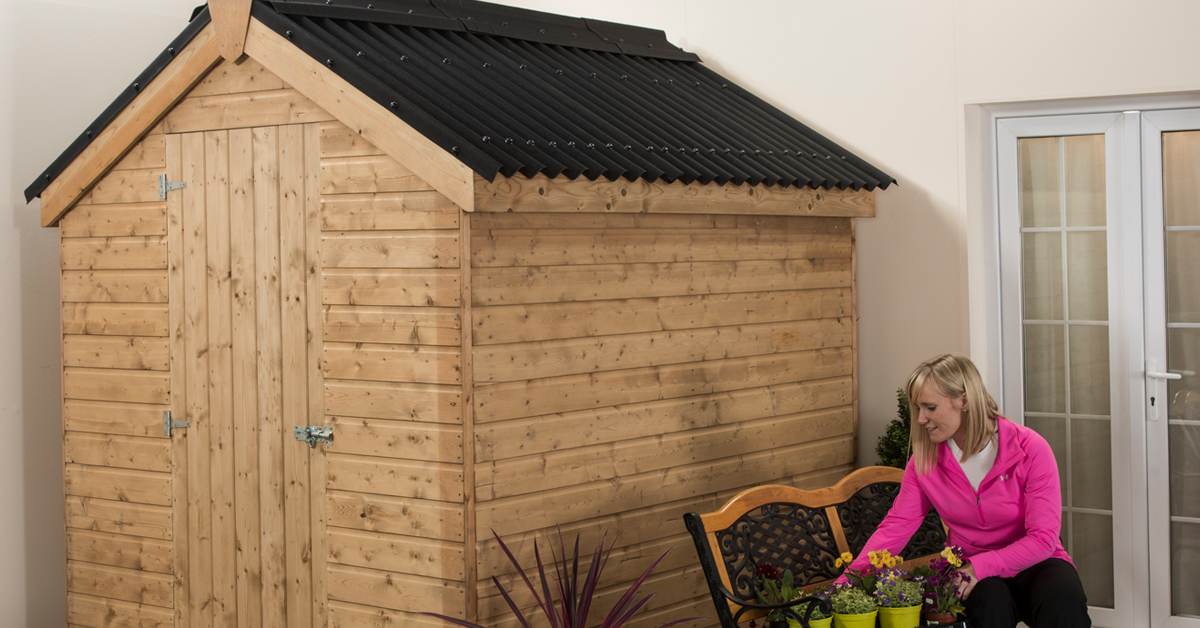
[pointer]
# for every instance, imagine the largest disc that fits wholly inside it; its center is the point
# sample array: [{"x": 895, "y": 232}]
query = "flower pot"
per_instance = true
[
  {"x": 900, "y": 617},
  {"x": 940, "y": 618},
  {"x": 812, "y": 623},
  {"x": 860, "y": 620}
]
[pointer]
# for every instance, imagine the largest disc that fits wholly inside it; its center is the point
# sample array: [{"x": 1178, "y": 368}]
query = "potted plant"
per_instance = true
[
  {"x": 776, "y": 588},
  {"x": 852, "y": 607},
  {"x": 817, "y": 618},
  {"x": 898, "y": 598},
  {"x": 574, "y": 599},
  {"x": 940, "y": 581},
  {"x": 893, "y": 447}
]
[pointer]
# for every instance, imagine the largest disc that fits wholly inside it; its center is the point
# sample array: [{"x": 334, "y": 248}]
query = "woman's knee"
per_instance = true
[{"x": 991, "y": 604}]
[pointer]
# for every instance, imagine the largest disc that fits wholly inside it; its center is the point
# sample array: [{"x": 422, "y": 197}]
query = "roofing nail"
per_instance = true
[
  {"x": 656, "y": 81},
  {"x": 743, "y": 152},
  {"x": 624, "y": 76},
  {"x": 649, "y": 45},
  {"x": 329, "y": 62},
  {"x": 843, "y": 157},
  {"x": 47, "y": 176},
  {"x": 697, "y": 83},
  {"x": 620, "y": 41},
  {"x": 530, "y": 142},
  {"x": 608, "y": 145},
  {"x": 287, "y": 34},
  {"x": 393, "y": 104},
  {"x": 553, "y": 144},
  {"x": 671, "y": 81},
  {"x": 508, "y": 140},
  {"x": 558, "y": 71},
  {"x": 574, "y": 34},
  {"x": 404, "y": 57},
  {"x": 487, "y": 138},
  {"x": 137, "y": 85},
  {"x": 360, "y": 54},
  {"x": 328, "y": 1},
  {"x": 410, "y": 11},
  {"x": 487, "y": 65},
  {"x": 446, "y": 60},
  {"x": 371, "y": 6},
  {"x": 523, "y": 66},
  {"x": 571, "y": 143},
  {"x": 454, "y": 149},
  {"x": 89, "y": 134},
  {"x": 628, "y": 147},
  {"x": 682, "y": 150},
  {"x": 591, "y": 145},
  {"x": 542, "y": 31},
  {"x": 695, "y": 150},
  {"x": 724, "y": 85},
  {"x": 593, "y": 75},
  {"x": 757, "y": 152},
  {"x": 171, "y": 49}
]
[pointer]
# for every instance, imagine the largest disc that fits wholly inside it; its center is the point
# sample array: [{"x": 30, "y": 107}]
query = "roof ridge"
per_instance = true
[{"x": 496, "y": 20}]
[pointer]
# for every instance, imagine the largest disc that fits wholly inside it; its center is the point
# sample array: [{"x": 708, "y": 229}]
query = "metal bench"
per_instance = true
[{"x": 804, "y": 531}]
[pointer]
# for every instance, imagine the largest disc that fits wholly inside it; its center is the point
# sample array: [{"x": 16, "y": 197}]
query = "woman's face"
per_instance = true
[{"x": 941, "y": 416}]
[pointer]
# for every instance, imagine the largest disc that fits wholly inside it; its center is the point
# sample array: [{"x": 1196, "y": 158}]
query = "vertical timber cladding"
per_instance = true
[
  {"x": 630, "y": 368},
  {"x": 245, "y": 327},
  {"x": 115, "y": 387},
  {"x": 393, "y": 383}
]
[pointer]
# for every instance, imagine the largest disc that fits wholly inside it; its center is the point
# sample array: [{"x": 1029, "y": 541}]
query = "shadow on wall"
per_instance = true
[{"x": 911, "y": 276}]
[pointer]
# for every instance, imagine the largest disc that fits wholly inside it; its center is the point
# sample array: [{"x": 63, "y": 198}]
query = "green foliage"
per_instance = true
[
  {"x": 851, "y": 601},
  {"x": 897, "y": 593},
  {"x": 776, "y": 591},
  {"x": 893, "y": 446}
]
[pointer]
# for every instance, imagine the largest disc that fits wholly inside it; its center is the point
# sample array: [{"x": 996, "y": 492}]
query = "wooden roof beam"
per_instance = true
[
  {"x": 123, "y": 133},
  {"x": 377, "y": 124},
  {"x": 542, "y": 194},
  {"x": 231, "y": 18}
]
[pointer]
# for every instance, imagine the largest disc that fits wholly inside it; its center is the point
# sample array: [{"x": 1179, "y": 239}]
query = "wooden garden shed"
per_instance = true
[{"x": 530, "y": 270}]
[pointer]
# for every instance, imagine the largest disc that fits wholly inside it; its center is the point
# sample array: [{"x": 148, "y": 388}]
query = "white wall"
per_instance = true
[{"x": 892, "y": 81}]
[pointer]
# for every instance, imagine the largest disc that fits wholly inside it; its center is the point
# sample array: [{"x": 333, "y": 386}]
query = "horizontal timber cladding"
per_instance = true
[
  {"x": 392, "y": 363},
  {"x": 631, "y": 367},
  {"x": 116, "y": 385}
]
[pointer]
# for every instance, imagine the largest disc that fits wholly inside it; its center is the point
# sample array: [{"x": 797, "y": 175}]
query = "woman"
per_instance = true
[{"x": 995, "y": 485}]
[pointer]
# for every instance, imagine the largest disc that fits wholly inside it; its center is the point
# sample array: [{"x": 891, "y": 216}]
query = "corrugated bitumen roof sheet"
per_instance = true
[{"x": 517, "y": 92}]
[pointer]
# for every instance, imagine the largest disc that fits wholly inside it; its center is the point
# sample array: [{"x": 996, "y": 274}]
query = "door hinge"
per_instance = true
[
  {"x": 313, "y": 434},
  {"x": 171, "y": 424},
  {"x": 165, "y": 186}
]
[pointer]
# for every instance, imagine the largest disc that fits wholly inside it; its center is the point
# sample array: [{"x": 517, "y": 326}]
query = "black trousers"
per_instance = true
[{"x": 1047, "y": 595}]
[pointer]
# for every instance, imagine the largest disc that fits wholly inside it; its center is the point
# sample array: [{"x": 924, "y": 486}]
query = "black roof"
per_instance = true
[{"x": 512, "y": 91}]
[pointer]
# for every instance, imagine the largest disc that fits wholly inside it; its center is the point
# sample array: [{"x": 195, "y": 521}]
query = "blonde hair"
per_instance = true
[{"x": 955, "y": 375}]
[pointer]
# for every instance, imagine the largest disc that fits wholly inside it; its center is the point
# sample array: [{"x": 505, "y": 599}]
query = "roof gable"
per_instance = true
[{"x": 471, "y": 88}]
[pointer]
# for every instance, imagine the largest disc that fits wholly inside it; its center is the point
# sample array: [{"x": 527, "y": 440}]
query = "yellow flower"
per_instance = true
[
  {"x": 951, "y": 558},
  {"x": 876, "y": 559},
  {"x": 845, "y": 559}
]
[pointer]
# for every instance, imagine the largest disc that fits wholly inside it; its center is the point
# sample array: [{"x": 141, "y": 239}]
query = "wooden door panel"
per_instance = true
[{"x": 244, "y": 345}]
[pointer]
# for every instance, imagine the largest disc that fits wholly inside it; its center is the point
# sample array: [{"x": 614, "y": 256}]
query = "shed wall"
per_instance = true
[
  {"x": 393, "y": 367},
  {"x": 630, "y": 368},
  {"x": 116, "y": 383}
]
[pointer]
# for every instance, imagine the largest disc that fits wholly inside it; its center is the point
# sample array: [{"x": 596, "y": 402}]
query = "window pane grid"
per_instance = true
[{"x": 1065, "y": 335}]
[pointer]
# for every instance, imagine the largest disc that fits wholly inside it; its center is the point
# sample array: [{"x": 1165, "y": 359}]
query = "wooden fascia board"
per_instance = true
[
  {"x": 230, "y": 19},
  {"x": 375, "y": 123},
  {"x": 542, "y": 194},
  {"x": 167, "y": 89}
]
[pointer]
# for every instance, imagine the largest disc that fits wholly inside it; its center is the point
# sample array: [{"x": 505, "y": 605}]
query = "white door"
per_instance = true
[
  {"x": 1171, "y": 192},
  {"x": 1098, "y": 293}
]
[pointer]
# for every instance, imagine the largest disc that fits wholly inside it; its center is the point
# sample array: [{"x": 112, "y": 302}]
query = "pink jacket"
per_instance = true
[{"x": 1009, "y": 525}]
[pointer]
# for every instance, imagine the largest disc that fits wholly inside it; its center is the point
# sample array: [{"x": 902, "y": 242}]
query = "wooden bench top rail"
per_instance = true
[{"x": 804, "y": 531}]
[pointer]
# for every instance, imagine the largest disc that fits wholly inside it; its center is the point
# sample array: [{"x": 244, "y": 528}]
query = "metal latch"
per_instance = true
[
  {"x": 313, "y": 434},
  {"x": 171, "y": 424},
  {"x": 165, "y": 186}
]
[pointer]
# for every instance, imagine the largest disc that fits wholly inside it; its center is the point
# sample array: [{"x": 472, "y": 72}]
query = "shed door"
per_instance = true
[{"x": 245, "y": 334}]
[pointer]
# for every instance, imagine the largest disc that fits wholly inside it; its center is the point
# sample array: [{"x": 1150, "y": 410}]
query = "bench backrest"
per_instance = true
[{"x": 804, "y": 531}]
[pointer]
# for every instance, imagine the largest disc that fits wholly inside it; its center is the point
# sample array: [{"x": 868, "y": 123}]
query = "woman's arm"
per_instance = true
[{"x": 1042, "y": 514}]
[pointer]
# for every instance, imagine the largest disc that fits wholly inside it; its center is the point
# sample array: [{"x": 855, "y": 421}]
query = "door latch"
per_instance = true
[
  {"x": 165, "y": 186},
  {"x": 171, "y": 424},
  {"x": 313, "y": 434}
]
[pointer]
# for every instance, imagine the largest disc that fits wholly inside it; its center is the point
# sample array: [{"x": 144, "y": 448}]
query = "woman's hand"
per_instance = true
[{"x": 968, "y": 581}]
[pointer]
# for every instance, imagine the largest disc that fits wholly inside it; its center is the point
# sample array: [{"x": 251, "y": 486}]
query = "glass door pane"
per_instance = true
[
  {"x": 1064, "y": 325},
  {"x": 1181, "y": 248}
]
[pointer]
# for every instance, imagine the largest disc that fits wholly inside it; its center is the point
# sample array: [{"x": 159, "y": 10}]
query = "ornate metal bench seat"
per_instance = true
[{"x": 804, "y": 531}]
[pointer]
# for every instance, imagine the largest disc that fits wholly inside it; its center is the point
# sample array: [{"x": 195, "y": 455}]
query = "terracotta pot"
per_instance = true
[{"x": 940, "y": 618}]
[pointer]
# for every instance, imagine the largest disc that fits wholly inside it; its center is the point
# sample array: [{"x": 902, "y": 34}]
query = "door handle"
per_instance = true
[{"x": 1161, "y": 375}]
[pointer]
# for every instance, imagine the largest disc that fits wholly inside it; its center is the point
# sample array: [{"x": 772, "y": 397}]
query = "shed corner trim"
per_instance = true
[
  {"x": 376, "y": 124},
  {"x": 184, "y": 71}
]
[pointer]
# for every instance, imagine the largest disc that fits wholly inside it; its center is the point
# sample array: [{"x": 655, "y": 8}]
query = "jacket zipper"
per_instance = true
[{"x": 979, "y": 506}]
